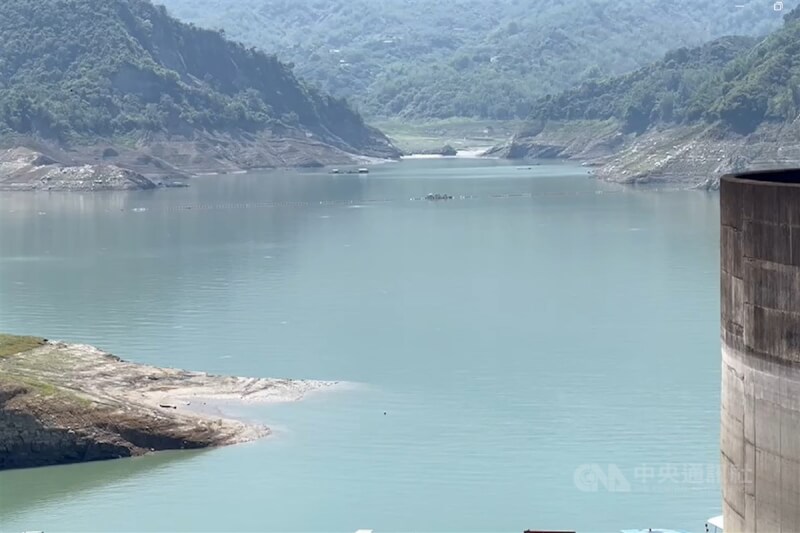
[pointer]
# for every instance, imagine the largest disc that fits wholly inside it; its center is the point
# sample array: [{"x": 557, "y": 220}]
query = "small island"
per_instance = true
[
  {"x": 445, "y": 151},
  {"x": 67, "y": 403}
]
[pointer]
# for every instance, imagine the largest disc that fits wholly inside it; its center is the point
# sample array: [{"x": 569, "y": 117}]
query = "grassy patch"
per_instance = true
[
  {"x": 14, "y": 344},
  {"x": 39, "y": 387},
  {"x": 580, "y": 128},
  {"x": 44, "y": 389}
]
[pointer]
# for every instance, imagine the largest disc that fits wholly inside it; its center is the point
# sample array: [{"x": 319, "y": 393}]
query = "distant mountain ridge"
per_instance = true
[
  {"x": 91, "y": 73},
  {"x": 422, "y": 59}
]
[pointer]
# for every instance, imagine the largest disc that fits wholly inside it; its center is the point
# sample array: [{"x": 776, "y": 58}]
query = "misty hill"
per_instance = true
[
  {"x": 122, "y": 71},
  {"x": 725, "y": 106},
  {"x": 433, "y": 58}
]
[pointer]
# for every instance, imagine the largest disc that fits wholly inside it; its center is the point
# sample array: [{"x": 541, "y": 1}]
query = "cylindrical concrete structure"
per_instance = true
[{"x": 760, "y": 432}]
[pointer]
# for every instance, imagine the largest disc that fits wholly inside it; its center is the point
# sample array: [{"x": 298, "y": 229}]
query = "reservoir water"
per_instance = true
[{"x": 543, "y": 353}]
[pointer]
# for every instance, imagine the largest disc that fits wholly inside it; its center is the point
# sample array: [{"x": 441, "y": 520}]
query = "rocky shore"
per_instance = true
[
  {"x": 24, "y": 169},
  {"x": 66, "y": 403},
  {"x": 680, "y": 156},
  {"x": 156, "y": 160}
]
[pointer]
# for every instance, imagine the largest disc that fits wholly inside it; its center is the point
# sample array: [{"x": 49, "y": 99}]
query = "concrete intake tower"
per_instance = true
[{"x": 760, "y": 275}]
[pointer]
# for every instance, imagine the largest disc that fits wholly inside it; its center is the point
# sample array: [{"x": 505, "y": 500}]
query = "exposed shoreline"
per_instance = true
[
  {"x": 692, "y": 157},
  {"x": 66, "y": 403},
  {"x": 108, "y": 165}
]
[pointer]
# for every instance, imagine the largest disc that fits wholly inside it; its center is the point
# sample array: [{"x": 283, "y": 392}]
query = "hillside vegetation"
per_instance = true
[
  {"x": 763, "y": 84},
  {"x": 727, "y": 106},
  {"x": 78, "y": 70},
  {"x": 737, "y": 81},
  {"x": 676, "y": 89},
  {"x": 472, "y": 58}
]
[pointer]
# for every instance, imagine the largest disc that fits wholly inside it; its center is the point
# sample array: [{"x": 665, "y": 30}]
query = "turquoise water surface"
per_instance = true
[{"x": 545, "y": 350}]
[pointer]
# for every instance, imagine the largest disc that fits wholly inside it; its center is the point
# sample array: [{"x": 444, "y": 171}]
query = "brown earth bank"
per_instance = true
[
  {"x": 157, "y": 160},
  {"x": 682, "y": 156},
  {"x": 67, "y": 403}
]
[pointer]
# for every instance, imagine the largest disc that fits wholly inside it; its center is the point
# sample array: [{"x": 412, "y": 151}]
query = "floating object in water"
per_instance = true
[
  {"x": 350, "y": 171},
  {"x": 433, "y": 197}
]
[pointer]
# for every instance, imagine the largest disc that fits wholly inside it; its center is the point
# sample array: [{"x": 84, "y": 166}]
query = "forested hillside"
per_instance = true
[
  {"x": 676, "y": 89},
  {"x": 727, "y": 106},
  {"x": 78, "y": 70},
  {"x": 735, "y": 80},
  {"x": 435, "y": 59},
  {"x": 763, "y": 84}
]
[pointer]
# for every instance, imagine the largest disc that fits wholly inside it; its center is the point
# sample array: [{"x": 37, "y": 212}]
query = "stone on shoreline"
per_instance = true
[{"x": 23, "y": 169}]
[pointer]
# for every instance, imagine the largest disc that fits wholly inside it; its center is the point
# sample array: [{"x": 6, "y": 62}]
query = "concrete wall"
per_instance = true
[{"x": 760, "y": 284}]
